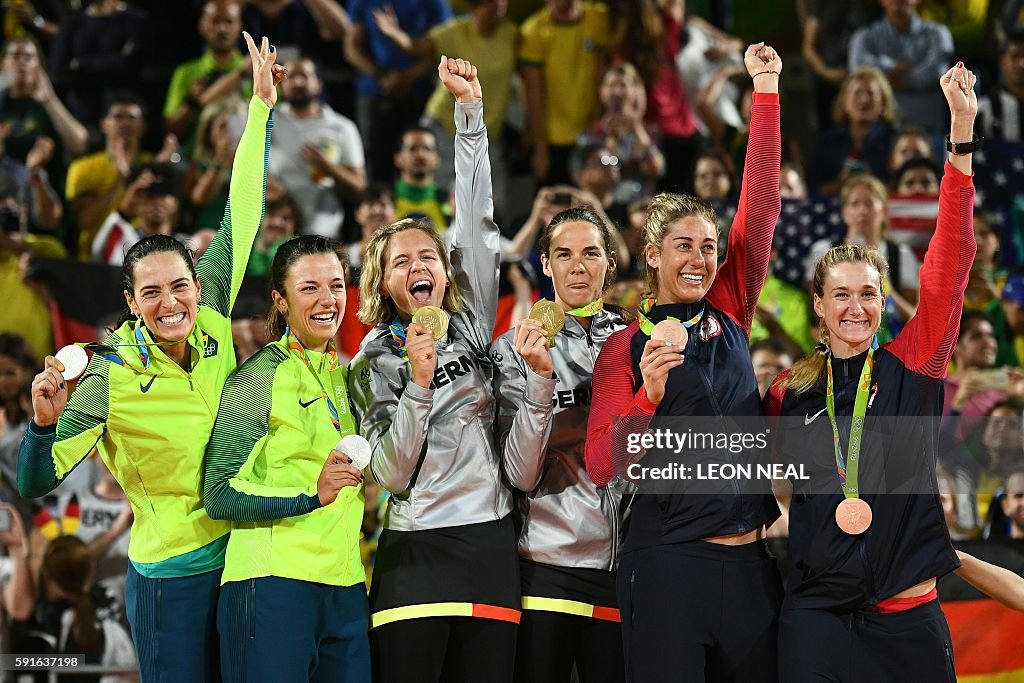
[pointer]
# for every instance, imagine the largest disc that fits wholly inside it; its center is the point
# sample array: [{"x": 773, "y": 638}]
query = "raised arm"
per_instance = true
[
  {"x": 926, "y": 344},
  {"x": 474, "y": 247},
  {"x": 223, "y": 265},
  {"x": 742, "y": 275}
]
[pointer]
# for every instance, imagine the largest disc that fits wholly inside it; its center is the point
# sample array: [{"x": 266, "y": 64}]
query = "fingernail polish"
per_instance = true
[
  {"x": 273, "y": 49},
  {"x": 350, "y": 461},
  {"x": 959, "y": 65},
  {"x": 62, "y": 385}
]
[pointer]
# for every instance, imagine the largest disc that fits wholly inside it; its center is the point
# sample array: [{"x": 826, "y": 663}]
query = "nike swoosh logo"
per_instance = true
[
  {"x": 306, "y": 404},
  {"x": 145, "y": 387},
  {"x": 808, "y": 419}
]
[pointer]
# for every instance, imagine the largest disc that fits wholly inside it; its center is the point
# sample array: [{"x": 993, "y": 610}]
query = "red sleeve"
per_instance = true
[
  {"x": 776, "y": 392},
  {"x": 742, "y": 275},
  {"x": 926, "y": 344},
  {"x": 613, "y": 397},
  {"x": 773, "y": 409}
]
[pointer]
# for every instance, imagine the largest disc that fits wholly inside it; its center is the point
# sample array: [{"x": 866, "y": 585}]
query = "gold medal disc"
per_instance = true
[
  {"x": 432, "y": 318},
  {"x": 550, "y": 315}
]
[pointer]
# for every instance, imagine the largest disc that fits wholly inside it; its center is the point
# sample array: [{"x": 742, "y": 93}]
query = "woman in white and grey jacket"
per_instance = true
[
  {"x": 569, "y": 541},
  {"x": 444, "y": 599}
]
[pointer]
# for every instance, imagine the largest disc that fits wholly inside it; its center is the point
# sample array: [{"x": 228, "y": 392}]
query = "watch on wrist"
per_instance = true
[{"x": 962, "y": 148}]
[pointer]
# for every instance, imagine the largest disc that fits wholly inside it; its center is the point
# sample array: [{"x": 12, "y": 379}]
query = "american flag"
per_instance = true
[{"x": 999, "y": 189}]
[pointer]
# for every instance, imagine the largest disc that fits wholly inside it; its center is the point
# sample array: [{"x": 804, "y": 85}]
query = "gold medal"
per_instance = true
[
  {"x": 853, "y": 516},
  {"x": 432, "y": 318},
  {"x": 671, "y": 331},
  {"x": 550, "y": 315}
]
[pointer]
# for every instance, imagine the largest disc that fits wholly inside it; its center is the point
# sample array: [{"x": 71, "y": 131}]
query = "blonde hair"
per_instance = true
[
  {"x": 807, "y": 371},
  {"x": 865, "y": 73},
  {"x": 873, "y": 185},
  {"x": 665, "y": 209},
  {"x": 374, "y": 306},
  {"x": 204, "y": 151}
]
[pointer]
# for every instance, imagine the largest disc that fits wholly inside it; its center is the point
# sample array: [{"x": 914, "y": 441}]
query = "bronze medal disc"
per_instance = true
[
  {"x": 853, "y": 516},
  {"x": 432, "y": 318},
  {"x": 671, "y": 331},
  {"x": 550, "y": 315}
]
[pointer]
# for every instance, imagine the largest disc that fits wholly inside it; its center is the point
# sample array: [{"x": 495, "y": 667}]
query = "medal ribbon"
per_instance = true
[
  {"x": 398, "y": 334},
  {"x": 647, "y": 327},
  {"x": 588, "y": 311},
  {"x": 848, "y": 466},
  {"x": 332, "y": 366},
  {"x": 110, "y": 352}
]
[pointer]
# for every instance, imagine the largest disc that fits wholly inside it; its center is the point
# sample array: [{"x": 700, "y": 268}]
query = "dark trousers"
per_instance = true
[
  {"x": 694, "y": 612},
  {"x": 444, "y": 649},
  {"x": 174, "y": 626},
  {"x": 817, "y": 645},
  {"x": 549, "y": 643},
  {"x": 277, "y": 630}
]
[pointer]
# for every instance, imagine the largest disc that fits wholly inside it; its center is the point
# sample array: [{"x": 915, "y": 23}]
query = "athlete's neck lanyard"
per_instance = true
[
  {"x": 110, "y": 352},
  {"x": 332, "y": 366},
  {"x": 397, "y": 328},
  {"x": 848, "y": 466},
  {"x": 646, "y": 326}
]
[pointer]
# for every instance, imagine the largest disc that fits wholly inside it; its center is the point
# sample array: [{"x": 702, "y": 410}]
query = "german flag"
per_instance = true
[
  {"x": 988, "y": 638},
  {"x": 45, "y": 522},
  {"x": 72, "y": 516}
]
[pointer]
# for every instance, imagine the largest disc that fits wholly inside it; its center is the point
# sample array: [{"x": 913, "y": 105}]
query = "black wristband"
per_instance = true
[{"x": 963, "y": 148}]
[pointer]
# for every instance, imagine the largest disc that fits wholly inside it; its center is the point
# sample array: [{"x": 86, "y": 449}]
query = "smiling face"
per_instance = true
[
  {"x": 687, "y": 260},
  {"x": 313, "y": 302},
  {"x": 578, "y": 264},
  {"x": 165, "y": 296},
  {"x": 414, "y": 272},
  {"x": 851, "y": 305}
]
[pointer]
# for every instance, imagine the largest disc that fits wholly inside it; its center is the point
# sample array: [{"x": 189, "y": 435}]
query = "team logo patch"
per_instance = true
[
  {"x": 709, "y": 329},
  {"x": 364, "y": 376},
  {"x": 497, "y": 358},
  {"x": 209, "y": 346}
]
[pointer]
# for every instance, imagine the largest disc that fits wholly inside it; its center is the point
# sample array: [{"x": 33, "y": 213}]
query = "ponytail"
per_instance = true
[{"x": 808, "y": 369}]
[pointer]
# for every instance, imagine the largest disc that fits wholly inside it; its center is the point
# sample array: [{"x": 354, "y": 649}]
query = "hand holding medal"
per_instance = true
[
  {"x": 433, "y": 319},
  {"x": 429, "y": 324}
]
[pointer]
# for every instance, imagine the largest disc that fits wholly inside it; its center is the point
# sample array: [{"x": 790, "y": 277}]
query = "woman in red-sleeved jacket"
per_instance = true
[
  {"x": 698, "y": 592},
  {"x": 867, "y": 534}
]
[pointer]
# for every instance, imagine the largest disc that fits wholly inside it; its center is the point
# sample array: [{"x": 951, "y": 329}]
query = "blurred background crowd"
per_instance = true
[{"x": 119, "y": 120}]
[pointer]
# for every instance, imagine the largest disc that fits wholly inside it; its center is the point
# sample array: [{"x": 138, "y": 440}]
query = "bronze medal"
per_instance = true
[
  {"x": 550, "y": 315},
  {"x": 853, "y": 516},
  {"x": 432, "y": 318},
  {"x": 671, "y": 331}
]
